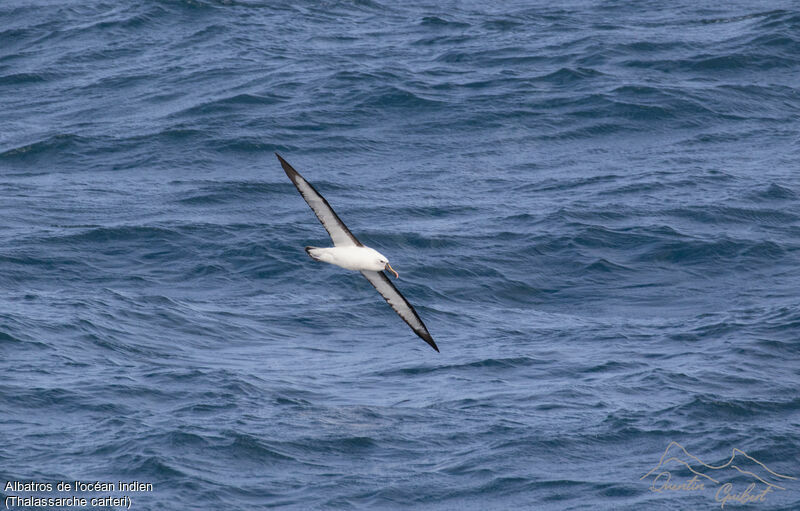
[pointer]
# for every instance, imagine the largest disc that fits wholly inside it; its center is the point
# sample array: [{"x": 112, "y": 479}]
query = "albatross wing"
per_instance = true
[
  {"x": 340, "y": 234},
  {"x": 399, "y": 303}
]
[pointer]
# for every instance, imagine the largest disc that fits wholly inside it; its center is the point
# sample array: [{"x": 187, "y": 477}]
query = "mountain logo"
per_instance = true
[{"x": 742, "y": 479}]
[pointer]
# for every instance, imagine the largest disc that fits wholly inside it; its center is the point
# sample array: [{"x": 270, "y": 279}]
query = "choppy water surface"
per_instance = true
[{"x": 594, "y": 206}]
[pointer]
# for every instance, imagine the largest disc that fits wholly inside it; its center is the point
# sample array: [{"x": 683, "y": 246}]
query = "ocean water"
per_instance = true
[{"x": 593, "y": 205}]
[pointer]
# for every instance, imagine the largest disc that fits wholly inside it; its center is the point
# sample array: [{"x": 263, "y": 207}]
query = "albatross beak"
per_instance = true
[{"x": 389, "y": 267}]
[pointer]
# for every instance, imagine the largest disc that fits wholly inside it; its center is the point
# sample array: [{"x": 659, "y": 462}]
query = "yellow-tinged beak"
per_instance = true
[{"x": 389, "y": 267}]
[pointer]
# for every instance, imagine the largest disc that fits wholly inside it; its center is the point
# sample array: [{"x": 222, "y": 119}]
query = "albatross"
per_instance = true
[{"x": 349, "y": 253}]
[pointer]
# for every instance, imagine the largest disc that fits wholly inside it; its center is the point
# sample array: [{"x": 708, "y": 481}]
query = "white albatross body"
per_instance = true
[
  {"x": 351, "y": 254},
  {"x": 350, "y": 258}
]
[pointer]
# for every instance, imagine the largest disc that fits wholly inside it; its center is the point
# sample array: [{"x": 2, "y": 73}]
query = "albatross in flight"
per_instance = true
[{"x": 351, "y": 254}]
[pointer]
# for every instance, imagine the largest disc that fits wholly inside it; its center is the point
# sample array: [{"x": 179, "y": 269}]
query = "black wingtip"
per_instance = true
[
  {"x": 432, "y": 344},
  {"x": 286, "y": 167}
]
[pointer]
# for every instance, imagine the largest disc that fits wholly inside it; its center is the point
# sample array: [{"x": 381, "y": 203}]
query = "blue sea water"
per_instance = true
[{"x": 593, "y": 205}]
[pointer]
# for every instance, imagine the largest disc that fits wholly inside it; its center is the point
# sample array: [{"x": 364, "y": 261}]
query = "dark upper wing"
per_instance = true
[
  {"x": 399, "y": 304},
  {"x": 340, "y": 234}
]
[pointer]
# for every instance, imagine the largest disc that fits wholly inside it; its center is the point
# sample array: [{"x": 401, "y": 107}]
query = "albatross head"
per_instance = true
[{"x": 382, "y": 263}]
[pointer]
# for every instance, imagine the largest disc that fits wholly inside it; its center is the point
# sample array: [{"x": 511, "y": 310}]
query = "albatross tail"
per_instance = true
[{"x": 314, "y": 253}]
